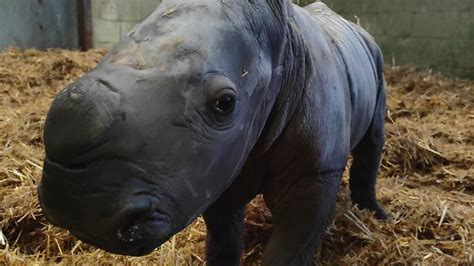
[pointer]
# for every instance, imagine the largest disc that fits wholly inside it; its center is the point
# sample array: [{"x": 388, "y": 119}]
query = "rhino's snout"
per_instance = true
[
  {"x": 85, "y": 187},
  {"x": 103, "y": 206},
  {"x": 104, "y": 176},
  {"x": 79, "y": 118}
]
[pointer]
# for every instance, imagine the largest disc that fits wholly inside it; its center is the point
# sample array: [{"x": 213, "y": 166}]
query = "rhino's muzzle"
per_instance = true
[
  {"x": 139, "y": 229},
  {"x": 98, "y": 179},
  {"x": 106, "y": 205}
]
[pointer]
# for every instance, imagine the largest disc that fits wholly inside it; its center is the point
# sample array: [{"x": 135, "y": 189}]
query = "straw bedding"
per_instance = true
[{"x": 426, "y": 179}]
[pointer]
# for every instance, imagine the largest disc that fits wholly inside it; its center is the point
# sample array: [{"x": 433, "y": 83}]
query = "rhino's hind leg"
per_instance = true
[
  {"x": 366, "y": 160},
  {"x": 224, "y": 239},
  {"x": 300, "y": 218}
]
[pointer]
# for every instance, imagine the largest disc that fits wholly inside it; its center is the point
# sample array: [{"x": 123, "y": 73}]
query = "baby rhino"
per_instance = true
[{"x": 206, "y": 104}]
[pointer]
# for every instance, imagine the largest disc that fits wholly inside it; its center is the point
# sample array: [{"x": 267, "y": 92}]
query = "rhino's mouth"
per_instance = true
[
  {"x": 152, "y": 226},
  {"x": 137, "y": 238},
  {"x": 136, "y": 248},
  {"x": 110, "y": 205}
]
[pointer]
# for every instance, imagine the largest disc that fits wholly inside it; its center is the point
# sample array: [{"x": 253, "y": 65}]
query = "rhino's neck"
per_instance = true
[{"x": 297, "y": 66}]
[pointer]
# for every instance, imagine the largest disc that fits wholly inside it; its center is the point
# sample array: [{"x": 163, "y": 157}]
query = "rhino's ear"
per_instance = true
[
  {"x": 281, "y": 11},
  {"x": 280, "y": 8}
]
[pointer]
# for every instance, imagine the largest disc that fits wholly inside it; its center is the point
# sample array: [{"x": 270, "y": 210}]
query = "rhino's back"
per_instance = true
[{"x": 352, "y": 62}]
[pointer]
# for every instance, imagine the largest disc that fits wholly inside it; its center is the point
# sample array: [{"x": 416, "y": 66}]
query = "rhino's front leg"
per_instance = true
[
  {"x": 300, "y": 218},
  {"x": 224, "y": 240}
]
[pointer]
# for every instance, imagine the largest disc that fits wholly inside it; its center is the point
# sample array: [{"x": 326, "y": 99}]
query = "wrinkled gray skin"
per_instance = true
[{"x": 144, "y": 143}]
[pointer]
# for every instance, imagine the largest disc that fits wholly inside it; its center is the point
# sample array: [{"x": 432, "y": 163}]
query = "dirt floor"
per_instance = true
[{"x": 426, "y": 180}]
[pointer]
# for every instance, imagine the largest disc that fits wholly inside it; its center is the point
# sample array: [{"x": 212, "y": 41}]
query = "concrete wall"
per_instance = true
[
  {"x": 437, "y": 34},
  {"x": 112, "y": 19},
  {"x": 38, "y": 24}
]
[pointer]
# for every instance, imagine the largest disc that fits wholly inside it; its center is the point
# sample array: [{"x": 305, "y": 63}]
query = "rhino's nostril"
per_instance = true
[{"x": 156, "y": 215}]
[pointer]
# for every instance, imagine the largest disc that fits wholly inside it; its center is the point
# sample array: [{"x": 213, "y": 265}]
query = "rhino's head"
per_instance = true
[{"x": 144, "y": 143}]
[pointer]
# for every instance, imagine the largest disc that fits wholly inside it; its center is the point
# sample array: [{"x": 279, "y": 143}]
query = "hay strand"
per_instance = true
[{"x": 426, "y": 179}]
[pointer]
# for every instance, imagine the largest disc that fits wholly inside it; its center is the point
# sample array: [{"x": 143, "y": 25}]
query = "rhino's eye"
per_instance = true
[{"x": 224, "y": 104}]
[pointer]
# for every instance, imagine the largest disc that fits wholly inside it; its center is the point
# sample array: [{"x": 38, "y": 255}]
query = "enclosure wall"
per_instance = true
[
  {"x": 437, "y": 34},
  {"x": 38, "y": 24},
  {"x": 112, "y": 19}
]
